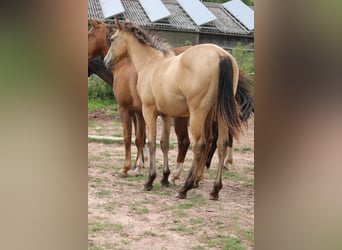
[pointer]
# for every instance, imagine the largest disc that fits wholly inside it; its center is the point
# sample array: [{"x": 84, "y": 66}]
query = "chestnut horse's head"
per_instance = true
[{"x": 98, "y": 38}]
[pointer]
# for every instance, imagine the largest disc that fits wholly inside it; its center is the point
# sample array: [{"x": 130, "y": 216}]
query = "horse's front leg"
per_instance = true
[
  {"x": 181, "y": 129},
  {"x": 127, "y": 133},
  {"x": 150, "y": 116},
  {"x": 139, "y": 142},
  {"x": 164, "y": 144}
]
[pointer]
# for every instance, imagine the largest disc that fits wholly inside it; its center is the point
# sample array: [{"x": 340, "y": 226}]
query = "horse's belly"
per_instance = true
[{"x": 172, "y": 105}]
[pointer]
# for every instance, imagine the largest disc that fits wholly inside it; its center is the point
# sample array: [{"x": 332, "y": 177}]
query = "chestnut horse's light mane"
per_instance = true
[{"x": 145, "y": 37}]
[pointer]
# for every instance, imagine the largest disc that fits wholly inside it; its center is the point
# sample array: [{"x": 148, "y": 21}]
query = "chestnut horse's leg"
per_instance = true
[
  {"x": 228, "y": 162},
  {"x": 126, "y": 121},
  {"x": 181, "y": 129},
  {"x": 139, "y": 143},
  {"x": 150, "y": 117},
  {"x": 197, "y": 127},
  {"x": 222, "y": 143},
  {"x": 164, "y": 144},
  {"x": 213, "y": 144}
]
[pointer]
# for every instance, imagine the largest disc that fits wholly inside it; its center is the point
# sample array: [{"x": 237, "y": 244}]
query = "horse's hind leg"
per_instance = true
[
  {"x": 181, "y": 129},
  {"x": 127, "y": 133},
  {"x": 139, "y": 142},
  {"x": 198, "y": 134},
  {"x": 208, "y": 133},
  {"x": 222, "y": 143},
  {"x": 164, "y": 144}
]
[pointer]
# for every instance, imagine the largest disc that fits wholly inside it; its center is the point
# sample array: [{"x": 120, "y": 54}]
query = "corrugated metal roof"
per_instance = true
[{"x": 179, "y": 19}]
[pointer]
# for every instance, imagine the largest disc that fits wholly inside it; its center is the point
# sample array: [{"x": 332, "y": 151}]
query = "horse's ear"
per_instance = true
[
  {"x": 93, "y": 23},
  {"x": 118, "y": 24}
]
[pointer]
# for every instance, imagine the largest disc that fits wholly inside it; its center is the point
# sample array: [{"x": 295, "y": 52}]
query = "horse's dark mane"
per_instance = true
[
  {"x": 111, "y": 30},
  {"x": 145, "y": 37}
]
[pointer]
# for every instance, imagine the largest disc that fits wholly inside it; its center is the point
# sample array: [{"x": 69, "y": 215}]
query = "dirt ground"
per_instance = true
[{"x": 122, "y": 216}]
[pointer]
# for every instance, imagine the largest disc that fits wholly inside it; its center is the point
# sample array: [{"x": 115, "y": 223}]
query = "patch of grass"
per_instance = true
[
  {"x": 196, "y": 220},
  {"x": 182, "y": 229},
  {"x": 94, "y": 104},
  {"x": 246, "y": 149},
  {"x": 179, "y": 214},
  {"x": 248, "y": 183},
  {"x": 139, "y": 209},
  {"x": 248, "y": 169},
  {"x": 94, "y": 158},
  {"x": 232, "y": 175},
  {"x": 198, "y": 247},
  {"x": 149, "y": 233},
  {"x": 198, "y": 200},
  {"x": 229, "y": 243},
  {"x": 106, "y": 154},
  {"x": 92, "y": 246},
  {"x": 95, "y": 228},
  {"x": 185, "y": 205},
  {"x": 247, "y": 235},
  {"x": 110, "y": 206},
  {"x": 243, "y": 150},
  {"x": 121, "y": 245},
  {"x": 103, "y": 193},
  {"x": 135, "y": 178},
  {"x": 96, "y": 182},
  {"x": 92, "y": 124},
  {"x": 105, "y": 141}
]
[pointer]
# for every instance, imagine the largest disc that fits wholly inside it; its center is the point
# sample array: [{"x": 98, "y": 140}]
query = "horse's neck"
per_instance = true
[{"x": 140, "y": 54}]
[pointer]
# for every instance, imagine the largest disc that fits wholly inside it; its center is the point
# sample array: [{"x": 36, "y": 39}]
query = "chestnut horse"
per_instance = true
[
  {"x": 200, "y": 83},
  {"x": 124, "y": 87},
  {"x": 97, "y": 67}
]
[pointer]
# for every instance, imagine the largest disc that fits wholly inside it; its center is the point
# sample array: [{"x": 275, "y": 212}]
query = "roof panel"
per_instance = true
[
  {"x": 197, "y": 11},
  {"x": 155, "y": 9},
  {"x": 242, "y": 12},
  {"x": 111, "y": 7}
]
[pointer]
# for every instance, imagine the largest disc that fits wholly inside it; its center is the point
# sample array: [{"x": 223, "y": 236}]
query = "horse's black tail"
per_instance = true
[
  {"x": 228, "y": 107},
  {"x": 244, "y": 98}
]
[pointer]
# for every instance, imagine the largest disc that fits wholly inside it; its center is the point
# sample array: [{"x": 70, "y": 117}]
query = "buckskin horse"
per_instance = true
[
  {"x": 199, "y": 83},
  {"x": 124, "y": 87}
]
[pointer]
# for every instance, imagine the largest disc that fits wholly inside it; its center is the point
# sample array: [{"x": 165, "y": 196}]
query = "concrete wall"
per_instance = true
[
  {"x": 226, "y": 42},
  {"x": 177, "y": 38}
]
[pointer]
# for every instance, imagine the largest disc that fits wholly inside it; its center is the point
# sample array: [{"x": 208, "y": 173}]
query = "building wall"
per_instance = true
[
  {"x": 177, "y": 38},
  {"x": 224, "y": 41}
]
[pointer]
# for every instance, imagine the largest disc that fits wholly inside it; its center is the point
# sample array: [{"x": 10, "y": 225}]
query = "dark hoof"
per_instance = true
[
  {"x": 214, "y": 196},
  {"x": 180, "y": 195},
  {"x": 196, "y": 184},
  {"x": 165, "y": 183},
  {"x": 148, "y": 187}
]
